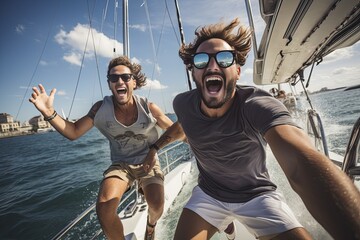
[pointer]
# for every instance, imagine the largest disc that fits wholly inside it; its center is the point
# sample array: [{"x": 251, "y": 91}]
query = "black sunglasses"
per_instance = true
[
  {"x": 223, "y": 58},
  {"x": 126, "y": 77}
]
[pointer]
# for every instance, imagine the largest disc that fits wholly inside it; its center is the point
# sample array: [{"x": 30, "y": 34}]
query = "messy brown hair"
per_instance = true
[
  {"x": 241, "y": 41},
  {"x": 134, "y": 68}
]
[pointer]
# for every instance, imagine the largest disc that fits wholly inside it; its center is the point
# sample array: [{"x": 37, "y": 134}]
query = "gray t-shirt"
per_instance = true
[
  {"x": 230, "y": 150},
  {"x": 128, "y": 144}
]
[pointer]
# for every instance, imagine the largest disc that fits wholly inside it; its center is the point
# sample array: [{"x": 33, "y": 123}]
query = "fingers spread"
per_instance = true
[
  {"x": 53, "y": 91},
  {"x": 36, "y": 91},
  {"x": 42, "y": 89}
]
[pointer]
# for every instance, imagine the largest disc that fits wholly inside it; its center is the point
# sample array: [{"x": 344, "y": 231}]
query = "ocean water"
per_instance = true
[{"x": 47, "y": 181}]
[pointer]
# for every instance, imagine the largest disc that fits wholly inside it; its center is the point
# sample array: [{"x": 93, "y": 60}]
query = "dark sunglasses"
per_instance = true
[
  {"x": 223, "y": 58},
  {"x": 126, "y": 77}
]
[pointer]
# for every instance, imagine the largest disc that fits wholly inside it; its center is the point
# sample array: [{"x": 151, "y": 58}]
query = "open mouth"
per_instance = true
[
  {"x": 121, "y": 90},
  {"x": 213, "y": 84}
]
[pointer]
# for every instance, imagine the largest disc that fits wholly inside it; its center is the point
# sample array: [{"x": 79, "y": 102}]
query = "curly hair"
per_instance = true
[
  {"x": 134, "y": 68},
  {"x": 241, "y": 41}
]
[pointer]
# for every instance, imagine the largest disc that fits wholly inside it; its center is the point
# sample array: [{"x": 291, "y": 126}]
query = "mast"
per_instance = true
[
  {"x": 182, "y": 38},
  {"x": 126, "y": 28},
  {"x": 251, "y": 23}
]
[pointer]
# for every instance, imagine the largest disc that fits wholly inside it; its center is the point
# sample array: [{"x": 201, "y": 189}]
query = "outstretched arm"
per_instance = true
[
  {"x": 44, "y": 103},
  {"x": 327, "y": 192}
]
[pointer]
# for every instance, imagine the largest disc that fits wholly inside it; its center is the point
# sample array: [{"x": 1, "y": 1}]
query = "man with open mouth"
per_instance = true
[
  {"x": 228, "y": 127},
  {"x": 132, "y": 125}
]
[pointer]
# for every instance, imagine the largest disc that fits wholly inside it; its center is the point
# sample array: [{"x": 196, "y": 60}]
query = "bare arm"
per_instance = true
[
  {"x": 327, "y": 192},
  {"x": 173, "y": 132},
  {"x": 44, "y": 103},
  {"x": 163, "y": 121}
]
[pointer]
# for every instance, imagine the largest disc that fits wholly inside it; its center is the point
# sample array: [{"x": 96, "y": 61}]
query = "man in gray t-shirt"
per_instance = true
[
  {"x": 228, "y": 127},
  {"x": 234, "y": 142}
]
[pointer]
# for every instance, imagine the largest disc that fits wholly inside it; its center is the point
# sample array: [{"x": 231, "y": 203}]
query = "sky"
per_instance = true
[{"x": 45, "y": 41}]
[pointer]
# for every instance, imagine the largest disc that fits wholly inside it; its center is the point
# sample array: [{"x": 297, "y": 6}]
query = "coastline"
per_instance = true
[
  {"x": 15, "y": 134},
  {"x": 25, "y": 133}
]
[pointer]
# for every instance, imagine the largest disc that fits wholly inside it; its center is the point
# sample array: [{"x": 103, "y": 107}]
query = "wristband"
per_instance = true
[
  {"x": 51, "y": 117},
  {"x": 154, "y": 146}
]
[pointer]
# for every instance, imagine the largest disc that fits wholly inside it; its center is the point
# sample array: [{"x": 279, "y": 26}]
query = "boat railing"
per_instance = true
[
  {"x": 169, "y": 158},
  {"x": 316, "y": 130},
  {"x": 351, "y": 164}
]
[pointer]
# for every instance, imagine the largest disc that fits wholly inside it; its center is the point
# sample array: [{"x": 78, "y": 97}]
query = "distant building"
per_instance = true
[
  {"x": 38, "y": 122},
  {"x": 7, "y": 123}
]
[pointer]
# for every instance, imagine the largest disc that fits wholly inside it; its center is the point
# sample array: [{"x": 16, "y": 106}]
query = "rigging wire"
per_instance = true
[
  {"x": 155, "y": 50},
  {"x": 101, "y": 31},
  {"x": 182, "y": 39},
  {"x": 172, "y": 24},
  {"x": 81, "y": 66},
  {"x": 93, "y": 41},
  {"x": 151, "y": 34},
  {"x": 38, "y": 62},
  {"x": 83, "y": 58},
  {"x": 115, "y": 25}
]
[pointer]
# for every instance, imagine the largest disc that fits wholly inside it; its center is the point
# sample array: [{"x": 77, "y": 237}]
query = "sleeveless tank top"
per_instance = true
[{"x": 128, "y": 144}]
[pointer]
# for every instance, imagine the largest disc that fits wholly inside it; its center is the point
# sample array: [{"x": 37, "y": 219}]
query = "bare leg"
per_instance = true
[
  {"x": 154, "y": 195},
  {"x": 192, "y": 226},
  {"x": 110, "y": 194}
]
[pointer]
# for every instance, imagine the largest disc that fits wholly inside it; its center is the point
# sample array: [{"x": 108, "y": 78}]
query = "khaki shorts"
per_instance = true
[{"x": 129, "y": 173}]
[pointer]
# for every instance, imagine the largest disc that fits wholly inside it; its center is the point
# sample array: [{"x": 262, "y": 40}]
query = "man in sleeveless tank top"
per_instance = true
[
  {"x": 132, "y": 125},
  {"x": 228, "y": 128}
]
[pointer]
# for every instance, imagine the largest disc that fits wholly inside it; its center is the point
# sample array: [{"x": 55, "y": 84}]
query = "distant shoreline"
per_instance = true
[
  {"x": 352, "y": 87},
  {"x": 16, "y": 134},
  {"x": 334, "y": 89},
  {"x": 24, "y": 133}
]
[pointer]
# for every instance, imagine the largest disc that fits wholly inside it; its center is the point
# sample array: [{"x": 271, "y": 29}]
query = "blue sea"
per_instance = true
[{"x": 47, "y": 181}]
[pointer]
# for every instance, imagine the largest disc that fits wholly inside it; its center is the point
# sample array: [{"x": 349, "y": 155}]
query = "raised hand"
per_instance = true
[{"x": 42, "y": 101}]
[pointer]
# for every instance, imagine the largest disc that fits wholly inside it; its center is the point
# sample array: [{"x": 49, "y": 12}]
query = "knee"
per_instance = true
[
  {"x": 156, "y": 204},
  {"x": 105, "y": 210}
]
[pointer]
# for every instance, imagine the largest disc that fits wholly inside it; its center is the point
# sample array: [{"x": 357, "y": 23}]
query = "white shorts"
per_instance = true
[{"x": 264, "y": 215}]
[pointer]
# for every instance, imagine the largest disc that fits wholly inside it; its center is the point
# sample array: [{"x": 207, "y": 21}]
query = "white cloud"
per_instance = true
[
  {"x": 158, "y": 68},
  {"x": 248, "y": 71},
  {"x": 141, "y": 27},
  {"x": 73, "y": 58},
  {"x": 333, "y": 78},
  {"x": 153, "y": 85},
  {"x": 344, "y": 70},
  {"x": 43, "y": 63},
  {"x": 61, "y": 93},
  {"x": 135, "y": 60},
  {"x": 20, "y": 28},
  {"x": 339, "y": 55},
  {"x": 75, "y": 41}
]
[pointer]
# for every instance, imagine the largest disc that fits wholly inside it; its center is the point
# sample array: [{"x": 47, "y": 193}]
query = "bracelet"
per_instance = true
[
  {"x": 51, "y": 117},
  {"x": 154, "y": 146}
]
